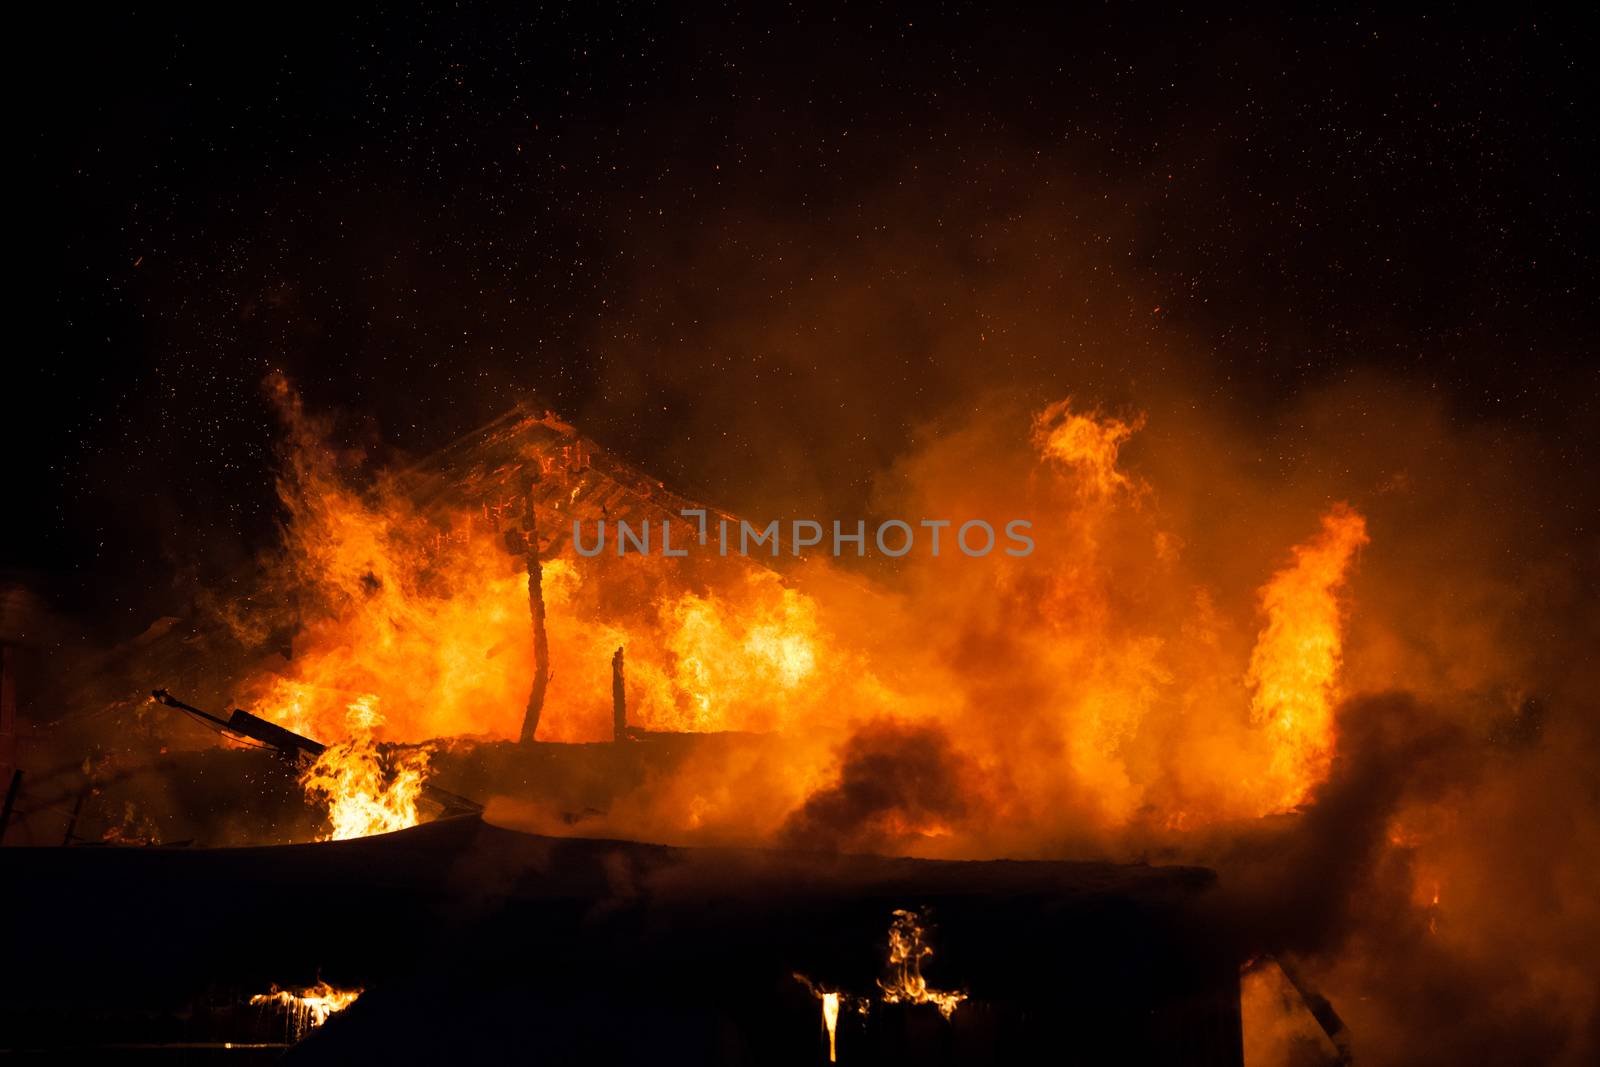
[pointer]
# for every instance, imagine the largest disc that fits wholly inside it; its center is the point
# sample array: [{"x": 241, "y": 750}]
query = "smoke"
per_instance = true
[
  {"x": 1296, "y": 650},
  {"x": 1291, "y": 882},
  {"x": 1363, "y": 602},
  {"x": 1433, "y": 889},
  {"x": 1097, "y": 698},
  {"x": 895, "y": 781},
  {"x": 881, "y": 342},
  {"x": 1432, "y": 883},
  {"x": 1093, "y": 700}
]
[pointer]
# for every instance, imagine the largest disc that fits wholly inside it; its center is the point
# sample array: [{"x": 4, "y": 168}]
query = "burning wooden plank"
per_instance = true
[{"x": 293, "y": 746}]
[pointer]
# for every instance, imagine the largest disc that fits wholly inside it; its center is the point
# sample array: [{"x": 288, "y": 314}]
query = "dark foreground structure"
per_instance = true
[{"x": 476, "y": 944}]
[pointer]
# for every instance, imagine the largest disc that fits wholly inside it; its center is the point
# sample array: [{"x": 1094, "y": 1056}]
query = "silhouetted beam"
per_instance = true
[
  {"x": 619, "y": 700},
  {"x": 291, "y": 744},
  {"x": 1321, "y": 1010}
]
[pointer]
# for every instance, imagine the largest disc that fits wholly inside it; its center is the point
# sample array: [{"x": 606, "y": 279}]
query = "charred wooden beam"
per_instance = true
[
  {"x": 292, "y": 745},
  {"x": 1321, "y": 1010},
  {"x": 541, "y": 643},
  {"x": 619, "y": 700}
]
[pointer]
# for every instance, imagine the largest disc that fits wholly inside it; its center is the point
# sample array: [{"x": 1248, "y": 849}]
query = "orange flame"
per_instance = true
[
  {"x": 905, "y": 983},
  {"x": 1087, "y": 443},
  {"x": 1294, "y": 668},
  {"x": 1095, "y": 677},
  {"x": 309, "y": 1008},
  {"x": 830, "y": 1019},
  {"x": 365, "y": 793}
]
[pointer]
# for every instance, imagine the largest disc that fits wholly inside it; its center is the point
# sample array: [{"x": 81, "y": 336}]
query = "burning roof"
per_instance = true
[{"x": 577, "y": 478}]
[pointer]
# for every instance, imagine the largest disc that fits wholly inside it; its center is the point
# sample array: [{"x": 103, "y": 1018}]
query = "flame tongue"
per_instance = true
[
  {"x": 1295, "y": 666},
  {"x": 365, "y": 793},
  {"x": 905, "y": 983}
]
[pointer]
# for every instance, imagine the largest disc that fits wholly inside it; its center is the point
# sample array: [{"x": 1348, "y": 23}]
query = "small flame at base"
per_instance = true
[
  {"x": 905, "y": 984},
  {"x": 830, "y": 1019}
]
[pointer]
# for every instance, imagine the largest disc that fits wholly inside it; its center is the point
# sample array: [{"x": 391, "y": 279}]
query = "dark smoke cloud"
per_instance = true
[
  {"x": 1502, "y": 972},
  {"x": 1499, "y": 974},
  {"x": 895, "y": 782},
  {"x": 1290, "y": 883}
]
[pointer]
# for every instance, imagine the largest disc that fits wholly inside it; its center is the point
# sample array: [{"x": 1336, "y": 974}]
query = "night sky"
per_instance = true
[{"x": 750, "y": 250}]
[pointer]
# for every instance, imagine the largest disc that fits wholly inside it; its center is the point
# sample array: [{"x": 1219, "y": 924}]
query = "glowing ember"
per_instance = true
[
  {"x": 309, "y": 1008},
  {"x": 365, "y": 792}
]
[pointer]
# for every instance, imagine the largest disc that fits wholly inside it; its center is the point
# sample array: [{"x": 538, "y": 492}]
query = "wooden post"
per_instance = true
[
  {"x": 541, "y": 643},
  {"x": 619, "y": 700},
  {"x": 1321, "y": 1010}
]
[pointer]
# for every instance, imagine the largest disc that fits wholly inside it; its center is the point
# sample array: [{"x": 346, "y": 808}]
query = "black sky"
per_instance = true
[{"x": 687, "y": 227}]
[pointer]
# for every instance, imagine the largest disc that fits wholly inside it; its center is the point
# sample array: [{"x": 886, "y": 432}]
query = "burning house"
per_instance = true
[
  {"x": 1069, "y": 536},
  {"x": 432, "y": 637},
  {"x": 697, "y": 808},
  {"x": 367, "y": 718}
]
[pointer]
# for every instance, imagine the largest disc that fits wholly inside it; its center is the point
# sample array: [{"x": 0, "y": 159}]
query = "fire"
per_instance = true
[
  {"x": 734, "y": 656},
  {"x": 1086, "y": 442},
  {"x": 832, "y": 1001},
  {"x": 309, "y": 1008},
  {"x": 365, "y": 792},
  {"x": 830, "y": 1019},
  {"x": 426, "y": 608},
  {"x": 389, "y": 599},
  {"x": 1094, "y": 685},
  {"x": 1294, "y": 668},
  {"x": 905, "y": 983}
]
